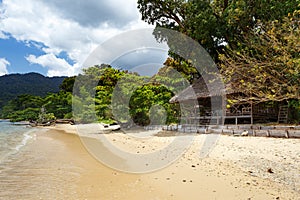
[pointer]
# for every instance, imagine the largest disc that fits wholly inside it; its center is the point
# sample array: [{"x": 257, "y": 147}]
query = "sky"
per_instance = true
[{"x": 55, "y": 37}]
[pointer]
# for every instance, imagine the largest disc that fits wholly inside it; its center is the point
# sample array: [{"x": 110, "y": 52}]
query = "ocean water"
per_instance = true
[
  {"x": 13, "y": 138},
  {"x": 30, "y": 168}
]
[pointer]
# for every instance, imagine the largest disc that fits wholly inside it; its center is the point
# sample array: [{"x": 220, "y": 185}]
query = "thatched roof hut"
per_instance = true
[
  {"x": 215, "y": 93},
  {"x": 202, "y": 89}
]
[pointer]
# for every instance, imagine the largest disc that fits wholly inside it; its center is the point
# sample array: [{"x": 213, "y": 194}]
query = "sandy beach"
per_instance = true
[{"x": 56, "y": 165}]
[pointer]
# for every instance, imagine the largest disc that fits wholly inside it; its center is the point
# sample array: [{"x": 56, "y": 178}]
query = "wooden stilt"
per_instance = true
[{"x": 287, "y": 134}]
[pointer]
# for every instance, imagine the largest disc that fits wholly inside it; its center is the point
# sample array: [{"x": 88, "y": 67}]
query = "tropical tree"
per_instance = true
[
  {"x": 266, "y": 65},
  {"x": 68, "y": 84},
  {"x": 255, "y": 43},
  {"x": 213, "y": 24},
  {"x": 122, "y": 94},
  {"x": 92, "y": 92},
  {"x": 45, "y": 117},
  {"x": 83, "y": 106},
  {"x": 24, "y": 107},
  {"x": 149, "y": 104},
  {"x": 60, "y": 104}
]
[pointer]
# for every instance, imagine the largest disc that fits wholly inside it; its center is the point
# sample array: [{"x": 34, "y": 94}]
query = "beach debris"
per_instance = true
[
  {"x": 65, "y": 121},
  {"x": 244, "y": 133},
  {"x": 270, "y": 170},
  {"x": 111, "y": 127},
  {"x": 236, "y": 134}
]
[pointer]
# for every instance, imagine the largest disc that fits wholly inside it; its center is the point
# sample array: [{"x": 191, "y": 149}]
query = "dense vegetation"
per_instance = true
[
  {"x": 255, "y": 44},
  {"x": 112, "y": 88},
  {"x": 12, "y": 85},
  {"x": 31, "y": 107},
  {"x": 122, "y": 96}
]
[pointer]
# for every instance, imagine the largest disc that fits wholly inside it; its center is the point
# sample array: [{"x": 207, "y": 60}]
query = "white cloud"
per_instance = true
[
  {"x": 3, "y": 66},
  {"x": 73, "y": 27},
  {"x": 116, "y": 13},
  {"x": 3, "y": 35},
  {"x": 56, "y": 66}
]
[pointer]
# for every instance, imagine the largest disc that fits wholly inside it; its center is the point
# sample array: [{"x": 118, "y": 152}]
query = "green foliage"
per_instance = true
[
  {"x": 92, "y": 95},
  {"x": 120, "y": 94},
  {"x": 124, "y": 91},
  {"x": 84, "y": 106},
  {"x": 255, "y": 43},
  {"x": 13, "y": 85},
  {"x": 152, "y": 102},
  {"x": 267, "y": 65},
  {"x": 107, "y": 82},
  {"x": 24, "y": 115},
  {"x": 16, "y": 108},
  {"x": 187, "y": 70},
  {"x": 214, "y": 24},
  {"x": 163, "y": 13},
  {"x": 59, "y": 104},
  {"x": 67, "y": 84},
  {"x": 45, "y": 117},
  {"x": 294, "y": 110},
  {"x": 27, "y": 107}
]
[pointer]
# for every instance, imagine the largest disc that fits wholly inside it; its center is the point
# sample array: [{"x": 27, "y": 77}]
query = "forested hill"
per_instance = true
[{"x": 13, "y": 85}]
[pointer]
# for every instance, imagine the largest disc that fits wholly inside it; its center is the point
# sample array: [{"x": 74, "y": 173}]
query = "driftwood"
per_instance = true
[
  {"x": 35, "y": 123},
  {"x": 52, "y": 122},
  {"x": 65, "y": 121}
]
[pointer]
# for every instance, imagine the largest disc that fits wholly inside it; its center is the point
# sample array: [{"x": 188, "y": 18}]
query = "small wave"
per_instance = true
[
  {"x": 10, "y": 151},
  {"x": 26, "y": 138}
]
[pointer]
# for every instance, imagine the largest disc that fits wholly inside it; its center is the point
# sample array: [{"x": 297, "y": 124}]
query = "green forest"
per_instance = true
[
  {"x": 59, "y": 105},
  {"x": 12, "y": 85},
  {"x": 255, "y": 45}
]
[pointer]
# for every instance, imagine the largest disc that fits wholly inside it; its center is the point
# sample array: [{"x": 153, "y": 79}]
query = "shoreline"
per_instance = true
[{"x": 56, "y": 165}]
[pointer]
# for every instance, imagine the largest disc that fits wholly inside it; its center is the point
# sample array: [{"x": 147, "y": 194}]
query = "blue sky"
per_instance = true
[
  {"x": 15, "y": 52},
  {"x": 55, "y": 37}
]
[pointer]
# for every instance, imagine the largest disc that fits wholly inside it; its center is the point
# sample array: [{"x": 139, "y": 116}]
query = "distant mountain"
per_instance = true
[{"x": 12, "y": 85}]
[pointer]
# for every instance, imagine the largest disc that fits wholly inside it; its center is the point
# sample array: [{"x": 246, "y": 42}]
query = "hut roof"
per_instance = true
[{"x": 200, "y": 89}]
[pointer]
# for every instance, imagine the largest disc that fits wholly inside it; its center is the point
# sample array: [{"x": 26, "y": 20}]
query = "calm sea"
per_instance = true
[
  {"x": 28, "y": 173},
  {"x": 13, "y": 138}
]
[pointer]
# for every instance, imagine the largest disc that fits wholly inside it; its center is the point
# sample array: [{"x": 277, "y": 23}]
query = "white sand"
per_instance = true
[{"x": 235, "y": 169}]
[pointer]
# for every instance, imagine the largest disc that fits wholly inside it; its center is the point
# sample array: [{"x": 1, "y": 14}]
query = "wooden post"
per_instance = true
[
  {"x": 287, "y": 134},
  {"x": 251, "y": 113},
  {"x": 268, "y": 133}
]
